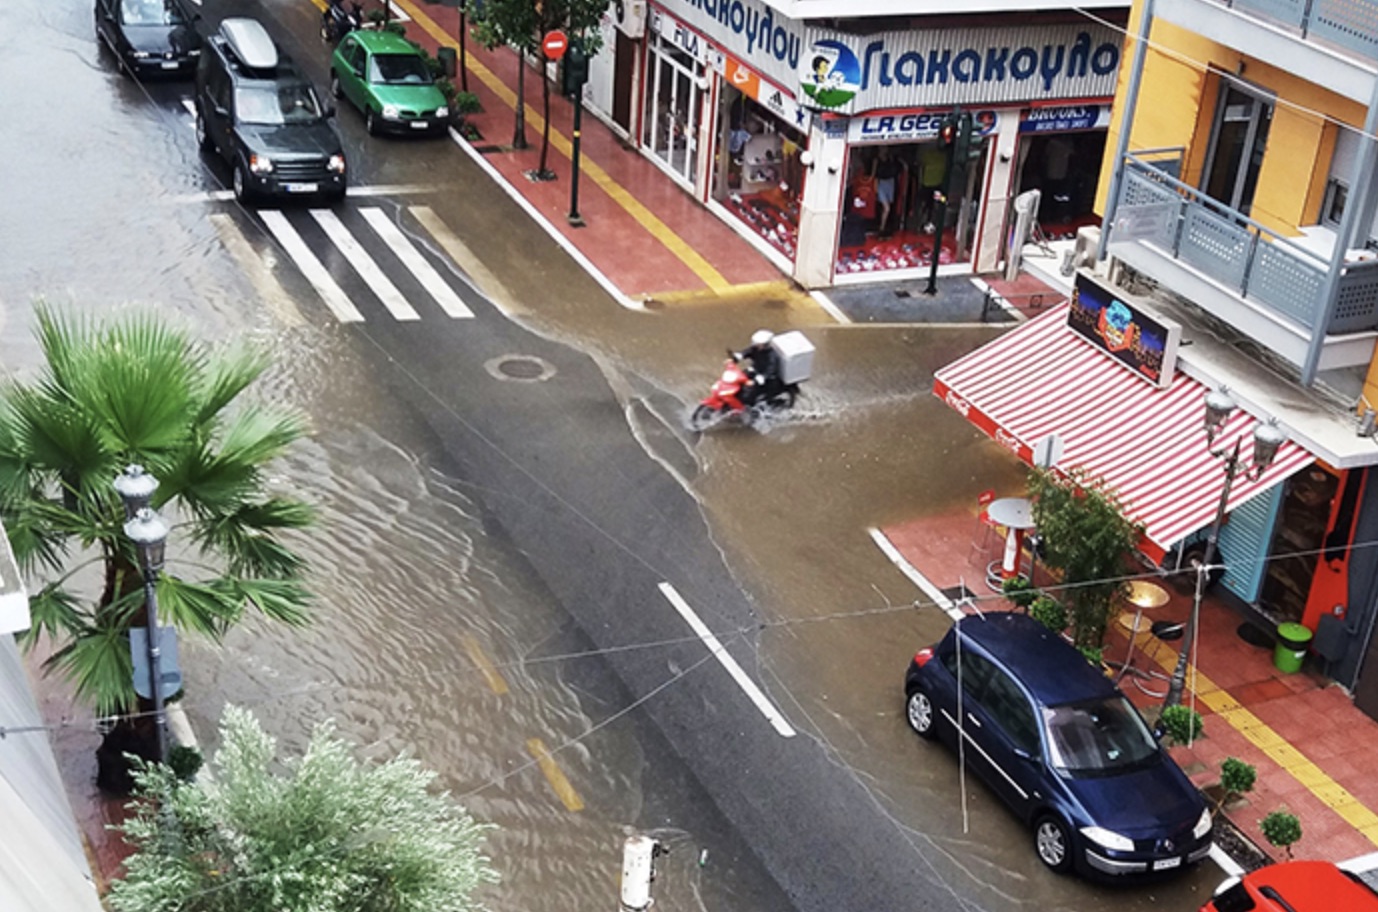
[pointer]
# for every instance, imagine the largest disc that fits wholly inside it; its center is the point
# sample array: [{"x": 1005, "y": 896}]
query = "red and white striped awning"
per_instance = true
[{"x": 1146, "y": 444}]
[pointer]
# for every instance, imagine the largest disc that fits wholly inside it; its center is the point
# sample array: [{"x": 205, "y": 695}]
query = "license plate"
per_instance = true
[
  {"x": 1164, "y": 863},
  {"x": 169, "y": 64},
  {"x": 419, "y": 124},
  {"x": 301, "y": 188}
]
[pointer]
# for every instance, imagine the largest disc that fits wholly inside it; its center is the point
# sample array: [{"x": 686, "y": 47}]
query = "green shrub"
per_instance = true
[
  {"x": 1094, "y": 654},
  {"x": 185, "y": 761},
  {"x": 1019, "y": 591},
  {"x": 1180, "y": 723},
  {"x": 1049, "y": 612},
  {"x": 1281, "y": 829}
]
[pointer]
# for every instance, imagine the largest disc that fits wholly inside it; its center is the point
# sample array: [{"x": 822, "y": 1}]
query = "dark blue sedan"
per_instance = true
[{"x": 1054, "y": 738}]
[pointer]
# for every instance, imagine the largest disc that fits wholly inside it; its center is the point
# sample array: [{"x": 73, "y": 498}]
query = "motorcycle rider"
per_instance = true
[{"x": 765, "y": 366}]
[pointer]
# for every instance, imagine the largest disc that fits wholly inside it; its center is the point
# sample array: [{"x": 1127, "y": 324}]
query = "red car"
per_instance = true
[{"x": 1302, "y": 886}]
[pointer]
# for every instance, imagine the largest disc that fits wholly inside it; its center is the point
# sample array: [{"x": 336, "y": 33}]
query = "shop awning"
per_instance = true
[{"x": 1147, "y": 444}]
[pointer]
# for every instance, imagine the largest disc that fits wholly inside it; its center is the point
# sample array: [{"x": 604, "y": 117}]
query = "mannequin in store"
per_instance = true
[
  {"x": 885, "y": 171},
  {"x": 1057, "y": 169},
  {"x": 932, "y": 173}
]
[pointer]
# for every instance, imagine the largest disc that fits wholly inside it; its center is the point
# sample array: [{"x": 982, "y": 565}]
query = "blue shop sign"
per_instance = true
[{"x": 1061, "y": 119}]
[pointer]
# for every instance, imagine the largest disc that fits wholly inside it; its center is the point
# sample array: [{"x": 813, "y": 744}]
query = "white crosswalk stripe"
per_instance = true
[
  {"x": 315, "y": 273},
  {"x": 411, "y": 258},
  {"x": 364, "y": 265}
]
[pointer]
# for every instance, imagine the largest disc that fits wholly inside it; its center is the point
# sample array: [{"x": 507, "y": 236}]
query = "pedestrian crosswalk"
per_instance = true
[{"x": 357, "y": 259}]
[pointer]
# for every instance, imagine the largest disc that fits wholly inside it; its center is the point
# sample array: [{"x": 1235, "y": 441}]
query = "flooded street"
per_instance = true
[{"x": 492, "y": 547}]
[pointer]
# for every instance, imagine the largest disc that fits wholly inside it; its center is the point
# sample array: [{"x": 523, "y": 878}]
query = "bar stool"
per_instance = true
[{"x": 988, "y": 531}]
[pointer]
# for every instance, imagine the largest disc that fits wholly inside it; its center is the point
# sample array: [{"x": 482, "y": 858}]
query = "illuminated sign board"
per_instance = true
[{"x": 1143, "y": 342}]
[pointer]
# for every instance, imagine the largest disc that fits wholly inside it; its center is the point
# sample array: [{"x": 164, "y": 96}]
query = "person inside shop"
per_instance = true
[
  {"x": 885, "y": 171},
  {"x": 1057, "y": 173},
  {"x": 932, "y": 172},
  {"x": 765, "y": 366}
]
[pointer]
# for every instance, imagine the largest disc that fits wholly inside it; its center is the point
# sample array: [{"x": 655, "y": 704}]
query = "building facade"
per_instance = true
[
  {"x": 1239, "y": 206},
  {"x": 816, "y": 134}
]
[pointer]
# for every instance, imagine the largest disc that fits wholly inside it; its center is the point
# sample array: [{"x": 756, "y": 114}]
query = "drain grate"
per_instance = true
[{"x": 521, "y": 368}]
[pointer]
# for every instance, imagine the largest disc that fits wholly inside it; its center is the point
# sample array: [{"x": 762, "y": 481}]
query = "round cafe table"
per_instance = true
[
  {"x": 1144, "y": 596},
  {"x": 1016, "y": 515}
]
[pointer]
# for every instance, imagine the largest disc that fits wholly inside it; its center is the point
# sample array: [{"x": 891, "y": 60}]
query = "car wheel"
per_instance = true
[
  {"x": 240, "y": 184},
  {"x": 1053, "y": 843},
  {"x": 203, "y": 136},
  {"x": 371, "y": 123},
  {"x": 335, "y": 86},
  {"x": 918, "y": 709}
]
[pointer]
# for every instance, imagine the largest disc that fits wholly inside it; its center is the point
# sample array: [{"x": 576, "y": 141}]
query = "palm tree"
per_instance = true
[{"x": 134, "y": 390}]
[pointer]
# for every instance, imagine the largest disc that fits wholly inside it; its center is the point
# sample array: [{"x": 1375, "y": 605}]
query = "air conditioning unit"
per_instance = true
[{"x": 631, "y": 17}]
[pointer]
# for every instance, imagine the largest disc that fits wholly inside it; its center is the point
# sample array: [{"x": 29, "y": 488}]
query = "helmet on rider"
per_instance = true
[{"x": 762, "y": 337}]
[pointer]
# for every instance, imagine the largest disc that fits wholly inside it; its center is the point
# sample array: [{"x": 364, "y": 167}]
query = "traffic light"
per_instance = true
[
  {"x": 947, "y": 133},
  {"x": 574, "y": 70},
  {"x": 968, "y": 145}
]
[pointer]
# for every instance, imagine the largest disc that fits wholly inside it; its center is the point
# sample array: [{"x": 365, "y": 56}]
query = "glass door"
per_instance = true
[
  {"x": 1238, "y": 140},
  {"x": 672, "y": 110}
]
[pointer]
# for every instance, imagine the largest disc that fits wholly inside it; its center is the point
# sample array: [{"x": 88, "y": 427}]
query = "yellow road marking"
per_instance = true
[
  {"x": 1294, "y": 762},
  {"x": 496, "y": 683},
  {"x": 774, "y": 290},
  {"x": 562, "y": 144},
  {"x": 554, "y": 775}
]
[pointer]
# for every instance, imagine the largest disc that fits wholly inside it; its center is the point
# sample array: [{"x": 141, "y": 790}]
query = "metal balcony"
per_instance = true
[
  {"x": 1332, "y": 43},
  {"x": 1260, "y": 282}
]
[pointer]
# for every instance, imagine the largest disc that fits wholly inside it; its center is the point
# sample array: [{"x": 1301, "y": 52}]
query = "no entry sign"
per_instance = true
[{"x": 554, "y": 44}]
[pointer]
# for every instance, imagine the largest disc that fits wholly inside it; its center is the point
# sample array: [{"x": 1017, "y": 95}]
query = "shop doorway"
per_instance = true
[
  {"x": 624, "y": 65},
  {"x": 1238, "y": 140},
  {"x": 1065, "y": 168},
  {"x": 891, "y": 206},
  {"x": 673, "y": 105},
  {"x": 757, "y": 173},
  {"x": 1298, "y": 541}
]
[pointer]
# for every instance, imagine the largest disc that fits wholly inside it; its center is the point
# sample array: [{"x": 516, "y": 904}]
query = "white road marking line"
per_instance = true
[
  {"x": 272, "y": 293},
  {"x": 1227, "y": 864},
  {"x": 473, "y": 271},
  {"x": 191, "y": 109},
  {"x": 334, "y": 297},
  {"x": 411, "y": 258},
  {"x": 763, "y": 703},
  {"x": 364, "y": 265},
  {"x": 915, "y": 577}
]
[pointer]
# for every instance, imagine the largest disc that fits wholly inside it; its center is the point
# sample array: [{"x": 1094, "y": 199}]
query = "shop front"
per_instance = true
[
  {"x": 1060, "y": 151},
  {"x": 614, "y": 75}
]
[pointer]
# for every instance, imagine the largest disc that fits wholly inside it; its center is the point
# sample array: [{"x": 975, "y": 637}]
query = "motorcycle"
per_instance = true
[
  {"x": 337, "y": 21},
  {"x": 738, "y": 393}
]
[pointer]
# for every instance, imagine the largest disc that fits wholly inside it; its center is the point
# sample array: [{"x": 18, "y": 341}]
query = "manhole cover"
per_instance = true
[{"x": 521, "y": 368}]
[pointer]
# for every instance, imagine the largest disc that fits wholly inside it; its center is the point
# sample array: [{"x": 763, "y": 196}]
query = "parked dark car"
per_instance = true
[
  {"x": 1061, "y": 745},
  {"x": 259, "y": 113},
  {"x": 150, "y": 36}
]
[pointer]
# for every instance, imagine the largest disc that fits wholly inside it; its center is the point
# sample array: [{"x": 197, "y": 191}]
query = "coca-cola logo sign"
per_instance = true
[
  {"x": 957, "y": 402},
  {"x": 1007, "y": 440}
]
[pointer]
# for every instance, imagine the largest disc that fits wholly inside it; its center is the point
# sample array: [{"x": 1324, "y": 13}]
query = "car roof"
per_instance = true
[
  {"x": 382, "y": 41},
  {"x": 1313, "y": 885},
  {"x": 1053, "y": 671},
  {"x": 250, "y": 42}
]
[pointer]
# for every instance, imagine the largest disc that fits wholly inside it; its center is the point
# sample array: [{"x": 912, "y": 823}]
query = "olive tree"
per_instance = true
[
  {"x": 319, "y": 833},
  {"x": 1088, "y": 541}
]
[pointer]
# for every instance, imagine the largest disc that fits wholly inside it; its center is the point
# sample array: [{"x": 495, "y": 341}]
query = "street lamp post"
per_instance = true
[
  {"x": 1267, "y": 439},
  {"x": 148, "y": 531}
]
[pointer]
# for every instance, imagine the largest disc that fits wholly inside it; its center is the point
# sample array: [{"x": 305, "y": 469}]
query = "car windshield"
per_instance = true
[
  {"x": 1097, "y": 737},
  {"x": 398, "y": 69},
  {"x": 290, "y": 103},
  {"x": 151, "y": 12}
]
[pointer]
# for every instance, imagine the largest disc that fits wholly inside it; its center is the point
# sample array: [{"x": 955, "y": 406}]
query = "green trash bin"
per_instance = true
[{"x": 1293, "y": 640}]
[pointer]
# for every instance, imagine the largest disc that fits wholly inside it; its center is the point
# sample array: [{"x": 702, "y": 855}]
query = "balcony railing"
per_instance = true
[
  {"x": 1348, "y": 24},
  {"x": 1247, "y": 259}
]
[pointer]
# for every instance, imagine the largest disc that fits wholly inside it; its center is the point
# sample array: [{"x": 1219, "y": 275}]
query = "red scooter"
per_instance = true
[{"x": 736, "y": 392}]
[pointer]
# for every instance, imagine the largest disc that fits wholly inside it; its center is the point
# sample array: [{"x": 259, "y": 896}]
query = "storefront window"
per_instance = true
[
  {"x": 757, "y": 174},
  {"x": 1065, "y": 168},
  {"x": 891, "y": 205},
  {"x": 673, "y": 103}
]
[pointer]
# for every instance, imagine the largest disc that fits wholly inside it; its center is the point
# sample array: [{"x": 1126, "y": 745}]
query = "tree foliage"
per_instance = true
[
  {"x": 322, "y": 833},
  {"x": 1087, "y": 539},
  {"x": 134, "y": 390},
  {"x": 521, "y": 24}
]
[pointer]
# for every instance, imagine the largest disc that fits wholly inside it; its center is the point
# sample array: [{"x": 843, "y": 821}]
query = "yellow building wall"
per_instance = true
[{"x": 1176, "y": 108}]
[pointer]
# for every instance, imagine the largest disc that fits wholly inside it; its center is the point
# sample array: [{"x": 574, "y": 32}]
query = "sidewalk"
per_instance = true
[
  {"x": 644, "y": 237},
  {"x": 1312, "y": 748}
]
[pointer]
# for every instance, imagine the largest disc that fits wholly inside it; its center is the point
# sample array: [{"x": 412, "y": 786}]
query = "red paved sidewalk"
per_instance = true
[
  {"x": 643, "y": 232},
  {"x": 1312, "y": 748}
]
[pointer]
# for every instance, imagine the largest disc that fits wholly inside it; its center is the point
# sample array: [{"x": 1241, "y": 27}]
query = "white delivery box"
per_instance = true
[{"x": 796, "y": 356}]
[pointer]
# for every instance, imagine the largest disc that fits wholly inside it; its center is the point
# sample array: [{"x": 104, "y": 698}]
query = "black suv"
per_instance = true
[{"x": 263, "y": 116}]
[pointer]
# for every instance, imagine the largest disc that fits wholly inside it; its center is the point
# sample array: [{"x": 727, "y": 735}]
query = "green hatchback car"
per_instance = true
[{"x": 387, "y": 78}]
